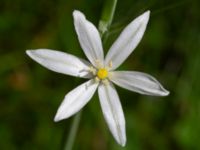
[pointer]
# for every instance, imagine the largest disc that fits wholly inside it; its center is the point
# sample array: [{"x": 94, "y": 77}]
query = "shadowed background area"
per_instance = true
[{"x": 31, "y": 94}]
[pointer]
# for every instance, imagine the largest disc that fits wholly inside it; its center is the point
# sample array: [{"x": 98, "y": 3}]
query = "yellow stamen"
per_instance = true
[{"x": 102, "y": 73}]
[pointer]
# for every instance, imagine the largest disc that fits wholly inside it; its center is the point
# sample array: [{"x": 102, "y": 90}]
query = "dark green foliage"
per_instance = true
[{"x": 31, "y": 94}]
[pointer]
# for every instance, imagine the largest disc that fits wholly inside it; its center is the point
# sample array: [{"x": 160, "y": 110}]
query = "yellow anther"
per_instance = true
[{"x": 102, "y": 73}]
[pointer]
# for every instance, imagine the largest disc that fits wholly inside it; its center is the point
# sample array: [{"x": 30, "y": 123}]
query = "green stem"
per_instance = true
[
  {"x": 107, "y": 16},
  {"x": 73, "y": 130}
]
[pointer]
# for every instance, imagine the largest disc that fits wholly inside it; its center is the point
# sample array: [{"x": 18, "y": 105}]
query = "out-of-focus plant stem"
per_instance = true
[
  {"x": 107, "y": 17},
  {"x": 73, "y": 131}
]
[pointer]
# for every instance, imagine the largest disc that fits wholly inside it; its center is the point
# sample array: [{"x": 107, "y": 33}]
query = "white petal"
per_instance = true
[
  {"x": 61, "y": 62},
  {"x": 113, "y": 112},
  {"x": 138, "y": 82},
  {"x": 89, "y": 38},
  {"x": 127, "y": 41},
  {"x": 76, "y": 99}
]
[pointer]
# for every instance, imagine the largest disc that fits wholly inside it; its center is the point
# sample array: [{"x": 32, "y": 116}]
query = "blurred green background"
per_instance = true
[{"x": 31, "y": 94}]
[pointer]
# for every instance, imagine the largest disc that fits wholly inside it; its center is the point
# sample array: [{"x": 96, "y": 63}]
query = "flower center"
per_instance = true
[{"x": 102, "y": 73}]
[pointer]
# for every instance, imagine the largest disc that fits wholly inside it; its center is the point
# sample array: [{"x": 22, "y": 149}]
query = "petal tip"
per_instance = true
[
  {"x": 28, "y": 52},
  {"x": 148, "y": 12},
  {"x": 146, "y": 15},
  {"x": 123, "y": 143},
  {"x": 57, "y": 118},
  {"x": 77, "y": 13},
  {"x": 60, "y": 115},
  {"x": 166, "y": 93}
]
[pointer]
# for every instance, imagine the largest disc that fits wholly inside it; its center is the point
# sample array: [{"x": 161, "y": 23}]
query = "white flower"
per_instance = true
[{"x": 100, "y": 72}]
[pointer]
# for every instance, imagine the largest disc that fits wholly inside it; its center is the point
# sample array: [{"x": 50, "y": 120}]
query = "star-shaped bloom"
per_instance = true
[{"x": 101, "y": 72}]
